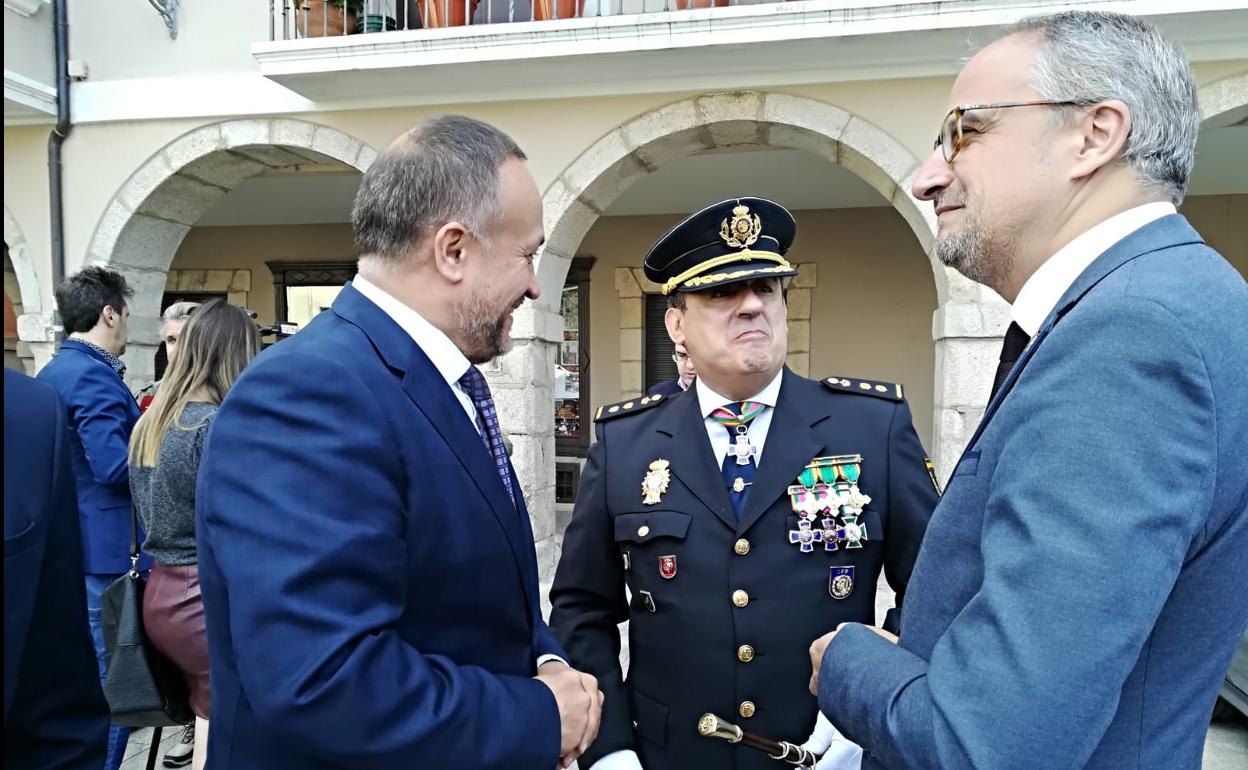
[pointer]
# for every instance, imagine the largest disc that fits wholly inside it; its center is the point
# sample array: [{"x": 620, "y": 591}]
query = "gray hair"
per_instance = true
[
  {"x": 1091, "y": 57},
  {"x": 443, "y": 170},
  {"x": 179, "y": 311}
]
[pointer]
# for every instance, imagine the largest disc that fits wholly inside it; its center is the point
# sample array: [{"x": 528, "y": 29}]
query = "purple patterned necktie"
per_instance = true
[{"x": 473, "y": 383}]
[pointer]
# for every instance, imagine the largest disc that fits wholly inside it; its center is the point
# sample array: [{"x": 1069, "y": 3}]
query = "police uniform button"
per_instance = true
[
  {"x": 745, "y": 653},
  {"x": 643, "y": 530},
  {"x": 741, "y": 547},
  {"x": 740, "y": 598},
  {"x": 746, "y": 709}
]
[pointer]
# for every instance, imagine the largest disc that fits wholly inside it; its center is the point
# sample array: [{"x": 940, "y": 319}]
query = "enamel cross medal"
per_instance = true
[{"x": 741, "y": 448}]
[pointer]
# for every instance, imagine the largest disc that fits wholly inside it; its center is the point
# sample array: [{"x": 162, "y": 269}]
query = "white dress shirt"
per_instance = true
[
  {"x": 1051, "y": 280},
  {"x": 709, "y": 401},
  {"x": 446, "y": 357}
]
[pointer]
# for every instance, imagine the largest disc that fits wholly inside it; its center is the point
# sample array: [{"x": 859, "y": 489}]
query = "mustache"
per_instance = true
[{"x": 949, "y": 198}]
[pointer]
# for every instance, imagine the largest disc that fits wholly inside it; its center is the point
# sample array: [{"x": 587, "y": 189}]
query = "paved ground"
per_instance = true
[{"x": 1226, "y": 747}]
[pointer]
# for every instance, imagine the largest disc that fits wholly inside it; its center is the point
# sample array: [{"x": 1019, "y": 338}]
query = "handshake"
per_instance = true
[{"x": 580, "y": 707}]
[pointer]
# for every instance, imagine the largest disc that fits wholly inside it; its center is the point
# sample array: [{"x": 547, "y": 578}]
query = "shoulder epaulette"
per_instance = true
[
  {"x": 889, "y": 391},
  {"x": 631, "y": 406}
]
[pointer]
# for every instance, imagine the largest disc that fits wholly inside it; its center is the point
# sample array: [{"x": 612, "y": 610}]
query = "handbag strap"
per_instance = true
[{"x": 134, "y": 541}]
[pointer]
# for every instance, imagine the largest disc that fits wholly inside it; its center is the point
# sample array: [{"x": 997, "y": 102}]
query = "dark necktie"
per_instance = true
[
  {"x": 739, "y": 464},
  {"x": 473, "y": 383},
  {"x": 1015, "y": 343}
]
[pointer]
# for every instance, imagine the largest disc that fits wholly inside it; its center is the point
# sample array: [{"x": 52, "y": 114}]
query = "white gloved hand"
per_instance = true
[{"x": 838, "y": 752}]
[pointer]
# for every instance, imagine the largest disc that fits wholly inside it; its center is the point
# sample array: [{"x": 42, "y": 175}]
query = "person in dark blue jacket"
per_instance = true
[
  {"x": 87, "y": 374},
  {"x": 54, "y": 710}
]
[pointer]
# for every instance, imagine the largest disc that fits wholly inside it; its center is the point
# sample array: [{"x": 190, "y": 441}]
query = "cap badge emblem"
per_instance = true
[{"x": 742, "y": 230}]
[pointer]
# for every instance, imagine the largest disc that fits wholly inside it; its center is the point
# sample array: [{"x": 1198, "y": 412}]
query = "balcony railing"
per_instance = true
[{"x": 298, "y": 19}]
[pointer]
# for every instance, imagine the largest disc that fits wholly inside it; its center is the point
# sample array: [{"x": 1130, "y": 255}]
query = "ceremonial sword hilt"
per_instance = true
[{"x": 711, "y": 726}]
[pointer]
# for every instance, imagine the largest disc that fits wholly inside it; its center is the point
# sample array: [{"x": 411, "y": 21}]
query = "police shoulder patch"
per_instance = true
[
  {"x": 631, "y": 406},
  {"x": 889, "y": 391}
]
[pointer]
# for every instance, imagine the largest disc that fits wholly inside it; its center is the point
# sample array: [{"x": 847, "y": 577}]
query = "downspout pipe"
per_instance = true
[{"x": 60, "y": 31}]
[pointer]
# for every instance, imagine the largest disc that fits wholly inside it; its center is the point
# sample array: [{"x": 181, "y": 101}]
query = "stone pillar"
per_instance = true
[
  {"x": 522, "y": 383},
  {"x": 967, "y": 330},
  {"x": 35, "y": 330},
  {"x": 799, "y": 302}
]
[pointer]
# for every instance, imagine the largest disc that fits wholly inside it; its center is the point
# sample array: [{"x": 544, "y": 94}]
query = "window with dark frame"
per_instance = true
[
  {"x": 301, "y": 290},
  {"x": 572, "y": 408},
  {"x": 659, "y": 347}
]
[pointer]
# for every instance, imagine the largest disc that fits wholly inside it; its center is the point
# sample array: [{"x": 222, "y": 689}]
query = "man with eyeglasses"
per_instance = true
[
  {"x": 746, "y": 516},
  {"x": 1079, "y": 593},
  {"x": 685, "y": 373}
]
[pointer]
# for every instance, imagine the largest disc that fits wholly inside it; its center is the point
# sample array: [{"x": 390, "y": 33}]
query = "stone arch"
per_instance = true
[
  {"x": 580, "y": 195},
  {"x": 1224, "y": 102},
  {"x": 21, "y": 285},
  {"x": 145, "y": 222}
]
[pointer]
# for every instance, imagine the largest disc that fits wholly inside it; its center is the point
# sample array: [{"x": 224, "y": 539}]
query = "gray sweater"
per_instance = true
[{"x": 165, "y": 495}]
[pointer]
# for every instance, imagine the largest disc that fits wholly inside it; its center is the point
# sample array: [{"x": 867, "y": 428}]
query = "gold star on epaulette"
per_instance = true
[
  {"x": 889, "y": 391},
  {"x": 632, "y": 406}
]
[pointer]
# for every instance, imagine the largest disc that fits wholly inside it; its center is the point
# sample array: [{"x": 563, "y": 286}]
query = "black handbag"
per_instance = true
[{"x": 142, "y": 687}]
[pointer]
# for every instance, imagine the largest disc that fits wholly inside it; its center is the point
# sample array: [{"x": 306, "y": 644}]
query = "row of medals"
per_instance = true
[{"x": 829, "y": 504}]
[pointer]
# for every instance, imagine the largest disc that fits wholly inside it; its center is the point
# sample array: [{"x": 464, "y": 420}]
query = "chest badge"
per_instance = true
[
  {"x": 667, "y": 567},
  {"x": 655, "y": 482},
  {"x": 841, "y": 582}
]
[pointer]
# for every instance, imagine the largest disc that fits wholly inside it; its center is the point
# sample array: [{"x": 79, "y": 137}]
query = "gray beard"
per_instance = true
[
  {"x": 481, "y": 334},
  {"x": 979, "y": 255}
]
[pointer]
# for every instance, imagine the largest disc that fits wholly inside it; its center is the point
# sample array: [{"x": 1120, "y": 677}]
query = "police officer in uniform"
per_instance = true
[{"x": 746, "y": 516}]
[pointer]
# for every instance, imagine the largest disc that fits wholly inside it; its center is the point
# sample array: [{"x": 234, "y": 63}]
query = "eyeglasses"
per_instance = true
[
  {"x": 679, "y": 358},
  {"x": 950, "y": 139}
]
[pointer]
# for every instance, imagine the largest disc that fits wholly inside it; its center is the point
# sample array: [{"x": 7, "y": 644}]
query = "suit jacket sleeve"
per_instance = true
[
  {"x": 58, "y": 716},
  {"x": 1082, "y": 541},
  {"x": 912, "y": 498},
  {"x": 103, "y": 425},
  {"x": 589, "y": 604},
  {"x": 302, "y": 504}
]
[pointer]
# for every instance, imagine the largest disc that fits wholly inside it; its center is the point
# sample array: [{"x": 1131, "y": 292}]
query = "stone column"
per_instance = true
[
  {"x": 967, "y": 330},
  {"x": 522, "y": 383}
]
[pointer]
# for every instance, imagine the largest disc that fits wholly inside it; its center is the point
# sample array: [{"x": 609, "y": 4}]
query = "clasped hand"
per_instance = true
[{"x": 580, "y": 707}]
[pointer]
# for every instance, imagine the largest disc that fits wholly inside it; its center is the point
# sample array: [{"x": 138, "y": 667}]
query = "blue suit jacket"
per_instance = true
[
  {"x": 54, "y": 711},
  {"x": 102, "y": 414},
  {"x": 1081, "y": 587},
  {"x": 370, "y": 589}
]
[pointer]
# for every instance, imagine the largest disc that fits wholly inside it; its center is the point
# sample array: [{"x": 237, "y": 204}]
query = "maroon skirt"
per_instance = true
[{"x": 173, "y": 617}]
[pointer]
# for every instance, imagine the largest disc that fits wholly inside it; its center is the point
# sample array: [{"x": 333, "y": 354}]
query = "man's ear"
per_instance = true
[
  {"x": 109, "y": 316},
  {"x": 449, "y": 244},
  {"x": 674, "y": 320},
  {"x": 1103, "y": 133}
]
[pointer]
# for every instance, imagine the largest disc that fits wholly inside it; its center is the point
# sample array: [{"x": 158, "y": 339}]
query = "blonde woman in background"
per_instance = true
[
  {"x": 173, "y": 320},
  {"x": 217, "y": 343}
]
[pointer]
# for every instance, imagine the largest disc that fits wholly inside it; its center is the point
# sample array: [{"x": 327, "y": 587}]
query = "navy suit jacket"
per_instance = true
[
  {"x": 102, "y": 414},
  {"x": 1080, "y": 590},
  {"x": 54, "y": 711},
  {"x": 369, "y": 586}
]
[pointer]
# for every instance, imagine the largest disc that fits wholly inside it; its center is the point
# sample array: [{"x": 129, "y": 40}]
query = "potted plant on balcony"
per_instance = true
[
  {"x": 326, "y": 18},
  {"x": 446, "y": 13},
  {"x": 684, "y": 4},
  {"x": 545, "y": 10}
]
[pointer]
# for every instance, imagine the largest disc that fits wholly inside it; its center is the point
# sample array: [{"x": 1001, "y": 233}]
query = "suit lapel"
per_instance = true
[
  {"x": 692, "y": 460},
  {"x": 1171, "y": 230},
  {"x": 791, "y": 443},
  {"x": 430, "y": 393}
]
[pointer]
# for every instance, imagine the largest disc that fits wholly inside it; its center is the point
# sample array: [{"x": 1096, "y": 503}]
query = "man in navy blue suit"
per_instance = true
[
  {"x": 365, "y": 553},
  {"x": 1080, "y": 590},
  {"x": 87, "y": 374},
  {"x": 54, "y": 710}
]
